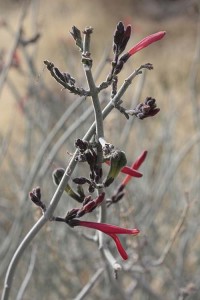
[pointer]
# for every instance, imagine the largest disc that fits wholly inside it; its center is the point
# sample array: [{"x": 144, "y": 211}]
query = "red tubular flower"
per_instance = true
[
  {"x": 139, "y": 161},
  {"x": 110, "y": 230},
  {"x": 128, "y": 170},
  {"x": 139, "y": 46},
  {"x": 135, "y": 166},
  {"x": 132, "y": 172},
  {"x": 146, "y": 42},
  {"x": 119, "y": 246}
]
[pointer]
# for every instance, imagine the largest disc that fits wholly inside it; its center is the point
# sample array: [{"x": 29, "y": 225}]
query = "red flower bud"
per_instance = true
[{"x": 147, "y": 41}]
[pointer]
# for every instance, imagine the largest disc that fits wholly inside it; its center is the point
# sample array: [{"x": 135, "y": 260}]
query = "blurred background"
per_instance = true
[{"x": 39, "y": 122}]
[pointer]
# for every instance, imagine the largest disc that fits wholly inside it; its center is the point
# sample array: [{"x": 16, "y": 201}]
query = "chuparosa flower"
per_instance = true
[
  {"x": 139, "y": 46},
  {"x": 110, "y": 230},
  {"x": 132, "y": 172},
  {"x": 135, "y": 166},
  {"x": 146, "y": 42}
]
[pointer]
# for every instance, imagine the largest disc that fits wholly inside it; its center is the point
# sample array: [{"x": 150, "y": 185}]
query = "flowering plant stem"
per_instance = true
[
  {"x": 98, "y": 120},
  {"x": 93, "y": 89},
  {"x": 47, "y": 216}
]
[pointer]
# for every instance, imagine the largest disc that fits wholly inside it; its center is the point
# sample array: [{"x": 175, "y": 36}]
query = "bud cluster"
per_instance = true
[
  {"x": 121, "y": 38},
  {"x": 86, "y": 153},
  {"x": 35, "y": 196},
  {"x": 144, "y": 110},
  {"x": 65, "y": 79},
  {"x": 88, "y": 206}
]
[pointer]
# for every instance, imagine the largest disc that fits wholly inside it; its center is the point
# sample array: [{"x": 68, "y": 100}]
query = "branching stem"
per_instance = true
[
  {"x": 87, "y": 64},
  {"x": 59, "y": 191}
]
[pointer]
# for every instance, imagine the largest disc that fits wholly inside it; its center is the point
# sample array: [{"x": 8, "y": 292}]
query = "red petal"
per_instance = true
[
  {"x": 129, "y": 171},
  {"x": 120, "y": 248},
  {"x": 135, "y": 166},
  {"x": 139, "y": 160},
  {"x": 147, "y": 41},
  {"x": 108, "y": 228}
]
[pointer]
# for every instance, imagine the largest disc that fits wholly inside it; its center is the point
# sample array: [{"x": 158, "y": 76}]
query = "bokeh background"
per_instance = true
[{"x": 39, "y": 122}]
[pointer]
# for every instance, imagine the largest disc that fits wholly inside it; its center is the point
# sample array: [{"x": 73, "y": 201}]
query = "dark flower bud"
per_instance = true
[
  {"x": 81, "y": 144},
  {"x": 65, "y": 77},
  {"x": 37, "y": 191},
  {"x": 71, "y": 214},
  {"x": 69, "y": 79},
  {"x": 119, "y": 33},
  {"x": 121, "y": 38},
  {"x": 144, "y": 110},
  {"x": 91, "y": 159},
  {"x": 81, "y": 180},
  {"x": 77, "y": 37},
  {"x": 59, "y": 74},
  {"x": 35, "y": 196},
  {"x": 121, "y": 63},
  {"x": 118, "y": 36},
  {"x": 125, "y": 39},
  {"x": 150, "y": 101}
]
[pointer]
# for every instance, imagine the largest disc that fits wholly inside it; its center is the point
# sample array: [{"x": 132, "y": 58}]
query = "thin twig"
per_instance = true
[
  {"x": 17, "y": 255},
  {"x": 87, "y": 288},
  {"x": 16, "y": 41},
  {"x": 58, "y": 76},
  {"x": 127, "y": 128},
  {"x": 28, "y": 275},
  {"x": 92, "y": 87},
  {"x": 168, "y": 176},
  {"x": 174, "y": 234}
]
